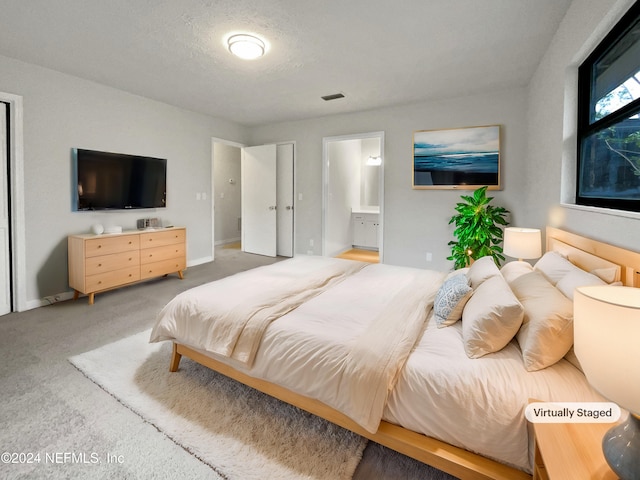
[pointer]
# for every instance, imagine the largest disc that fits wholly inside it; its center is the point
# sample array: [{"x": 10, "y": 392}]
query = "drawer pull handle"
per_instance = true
[
  {"x": 99, "y": 246},
  {"x": 99, "y": 282},
  {"x": 99, "y": 264}
]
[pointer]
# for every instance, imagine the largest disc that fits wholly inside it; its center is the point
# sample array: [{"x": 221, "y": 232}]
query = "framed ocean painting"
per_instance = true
[{"x": 459, "y": 158}]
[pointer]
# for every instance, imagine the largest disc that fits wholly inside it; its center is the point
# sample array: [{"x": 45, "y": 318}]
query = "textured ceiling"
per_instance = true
[{"x": 377, "y": 53}]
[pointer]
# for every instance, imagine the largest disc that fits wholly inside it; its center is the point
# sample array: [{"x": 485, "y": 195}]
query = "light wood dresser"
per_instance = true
[{"x": 102, "y": 262}]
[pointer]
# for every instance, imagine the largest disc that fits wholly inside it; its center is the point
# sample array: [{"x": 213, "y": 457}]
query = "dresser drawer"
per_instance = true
[
  {"x": 104, "y": 281},
  {"x": 164, "y": 267},
  {"x": 108, "y": 263},
  {"x": 161, "y": 238},
  {"x": 156, "y": 254},
  {"x": 108, "y": 245}
]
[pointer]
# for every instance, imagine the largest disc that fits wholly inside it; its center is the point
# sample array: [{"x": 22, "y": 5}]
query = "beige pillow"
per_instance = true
[
  {"x": 480, "y": 270},
  {"x": 554, "y": 266},
  {"x": 607, "y": 275},
  {"x": 577, "y": 278},
  {"x": 546, "y": 334},
  {"x": 491, "y": 317},
  {"x": 512, "y": 270}
]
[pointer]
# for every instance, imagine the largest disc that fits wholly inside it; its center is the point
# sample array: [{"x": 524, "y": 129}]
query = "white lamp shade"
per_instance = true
[
  {"x": 522, "y": 242},
  {"x": 606, "y": 333}
]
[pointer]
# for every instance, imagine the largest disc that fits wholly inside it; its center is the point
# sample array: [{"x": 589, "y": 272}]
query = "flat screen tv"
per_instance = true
[{"x": 116, "y": 181}]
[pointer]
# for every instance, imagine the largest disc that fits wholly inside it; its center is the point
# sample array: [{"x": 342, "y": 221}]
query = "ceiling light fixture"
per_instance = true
[{"x": 246, "y": 46}]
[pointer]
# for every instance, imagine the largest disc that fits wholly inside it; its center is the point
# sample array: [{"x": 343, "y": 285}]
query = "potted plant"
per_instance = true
[{"x": 478, "y": 229}]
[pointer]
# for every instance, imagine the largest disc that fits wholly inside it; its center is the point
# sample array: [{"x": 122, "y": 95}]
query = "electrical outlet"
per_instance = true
[
  {"x": 429, "y": 257},
  {"x": 311, "y": 242}
]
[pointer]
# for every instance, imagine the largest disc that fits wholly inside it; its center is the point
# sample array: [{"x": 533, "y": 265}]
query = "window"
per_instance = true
[{"x": 609, "y": 119}]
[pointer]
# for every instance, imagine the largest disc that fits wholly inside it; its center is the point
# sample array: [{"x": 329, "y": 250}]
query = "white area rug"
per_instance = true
[{"x": 239, "y": 432}]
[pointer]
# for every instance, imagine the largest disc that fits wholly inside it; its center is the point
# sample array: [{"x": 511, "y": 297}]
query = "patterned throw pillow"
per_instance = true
[{"x": 451, "y": 299}]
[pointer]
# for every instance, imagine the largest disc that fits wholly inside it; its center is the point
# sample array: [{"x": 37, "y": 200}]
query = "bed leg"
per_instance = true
[{"x": 175, "y": 359}]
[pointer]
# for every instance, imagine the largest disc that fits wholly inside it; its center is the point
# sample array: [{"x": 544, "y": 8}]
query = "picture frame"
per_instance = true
[{"x": 457, "y": 158}]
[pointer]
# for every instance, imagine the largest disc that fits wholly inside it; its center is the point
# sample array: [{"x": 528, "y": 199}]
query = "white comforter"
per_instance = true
[
  {"x": 229, "y": 317},
  {"x": 353, "y": 362}
]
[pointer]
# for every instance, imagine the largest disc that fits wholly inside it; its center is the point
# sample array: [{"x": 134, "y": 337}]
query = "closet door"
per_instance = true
[
  {"x": 258, "y": 172},
  {"x": 5, "y": 279}
]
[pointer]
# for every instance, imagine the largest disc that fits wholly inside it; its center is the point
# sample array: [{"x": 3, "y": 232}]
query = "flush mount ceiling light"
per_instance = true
[{"x": 246, "y": 46}]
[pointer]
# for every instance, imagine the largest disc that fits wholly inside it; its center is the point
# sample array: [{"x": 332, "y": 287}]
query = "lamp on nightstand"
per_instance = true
[
  {"x": 522, "y": 243},
  {"x": 606, "y": 331}
]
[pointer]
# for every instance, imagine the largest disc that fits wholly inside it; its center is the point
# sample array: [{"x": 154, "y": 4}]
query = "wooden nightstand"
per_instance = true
[{"x": 567, "y": 451}]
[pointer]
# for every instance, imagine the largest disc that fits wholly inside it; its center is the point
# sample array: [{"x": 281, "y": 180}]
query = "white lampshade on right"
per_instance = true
[
  {"x": 522, "y": 243},
  {"x": 606, "y": 328}
]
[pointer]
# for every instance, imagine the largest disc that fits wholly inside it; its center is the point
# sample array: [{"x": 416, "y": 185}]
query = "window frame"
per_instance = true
[{"x": 585, "y": 128}]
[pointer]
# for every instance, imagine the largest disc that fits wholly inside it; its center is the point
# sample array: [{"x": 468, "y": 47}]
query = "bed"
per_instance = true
[{"x": 379, "y": 349}]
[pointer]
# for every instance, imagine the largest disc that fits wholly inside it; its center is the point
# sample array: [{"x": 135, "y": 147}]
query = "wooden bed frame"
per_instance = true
[{"x": 453, "y": 460}]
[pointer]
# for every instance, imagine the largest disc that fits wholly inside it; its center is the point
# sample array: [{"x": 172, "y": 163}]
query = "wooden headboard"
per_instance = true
[{"x": 589, "y": 254}]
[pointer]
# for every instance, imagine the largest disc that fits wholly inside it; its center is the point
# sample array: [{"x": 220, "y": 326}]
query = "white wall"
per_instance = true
[
  {"x": 62, "y": 112},
  {"x": 415, "y": 221},
  {"x": 551, "y": 153}
]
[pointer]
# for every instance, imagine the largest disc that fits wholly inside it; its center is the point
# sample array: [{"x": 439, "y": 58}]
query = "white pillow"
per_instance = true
[
  {"x": 546, "y": 334},
  {"x": 554, "y": 266},
  {"x": 577, "y": 278},
  {"x": 482, "y": 269},
  {"x": 512, "y": 270},
  {"x": 491, "y": 317},
  {"x": 451, "y": 299}
]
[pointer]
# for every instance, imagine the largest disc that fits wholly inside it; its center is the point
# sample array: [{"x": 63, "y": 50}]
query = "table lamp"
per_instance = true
[
  {"x": 606, "y": 328},
  {"x": 522, "y": 243}
]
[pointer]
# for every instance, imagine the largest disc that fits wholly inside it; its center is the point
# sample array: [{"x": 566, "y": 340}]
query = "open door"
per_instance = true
[{"x": 259, "y": 228}]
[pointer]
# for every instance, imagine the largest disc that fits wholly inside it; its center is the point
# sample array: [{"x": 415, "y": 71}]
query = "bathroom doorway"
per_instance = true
[{"x": 353, "y": 194}]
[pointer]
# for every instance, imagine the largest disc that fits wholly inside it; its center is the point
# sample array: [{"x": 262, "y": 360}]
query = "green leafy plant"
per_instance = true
[{"x": 477, "y": 229}]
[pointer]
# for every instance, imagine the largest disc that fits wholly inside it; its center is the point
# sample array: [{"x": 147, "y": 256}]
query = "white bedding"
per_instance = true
[
  {"x": 352, "y": 351},
  {"x": 477, "y": 404}
]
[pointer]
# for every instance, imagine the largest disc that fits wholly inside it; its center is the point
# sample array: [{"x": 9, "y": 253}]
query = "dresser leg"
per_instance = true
[
  {"x": 180, "y": 275},
  {"x": 91, "y": 298},
  {"x": 76, "y": 294}
]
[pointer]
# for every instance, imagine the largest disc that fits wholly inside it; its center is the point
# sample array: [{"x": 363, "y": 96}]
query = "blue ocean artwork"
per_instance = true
[{"x": 452, "y": 157}]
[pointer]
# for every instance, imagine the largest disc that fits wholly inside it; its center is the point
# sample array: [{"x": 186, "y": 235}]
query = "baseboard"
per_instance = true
[{"x": 49, "y": 300}]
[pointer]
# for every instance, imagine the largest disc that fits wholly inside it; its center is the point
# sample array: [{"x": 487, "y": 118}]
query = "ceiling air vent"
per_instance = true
[{"x": 335, "y": 96}]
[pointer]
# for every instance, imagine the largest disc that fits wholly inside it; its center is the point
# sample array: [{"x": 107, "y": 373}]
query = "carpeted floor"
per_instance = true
[
  {"x": 61, "y": 425},
  {"x": 238, "y": 431}
]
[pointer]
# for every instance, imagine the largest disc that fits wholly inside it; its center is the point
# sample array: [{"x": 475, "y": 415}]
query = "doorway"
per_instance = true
[
  {"x": 353, "y": 193},
  {"x": 12, "y": 252},
  {"x": 252, "y": 192}
]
